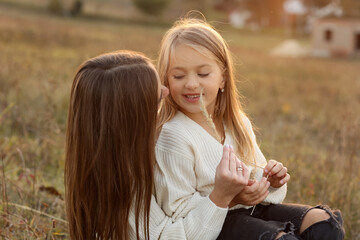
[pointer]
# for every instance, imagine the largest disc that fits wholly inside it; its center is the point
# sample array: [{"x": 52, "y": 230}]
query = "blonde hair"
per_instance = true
[{"x": 201, "y": 36}]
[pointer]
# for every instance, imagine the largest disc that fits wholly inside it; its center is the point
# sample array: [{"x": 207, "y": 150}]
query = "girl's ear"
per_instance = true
[{"x": 223, "y": 81}]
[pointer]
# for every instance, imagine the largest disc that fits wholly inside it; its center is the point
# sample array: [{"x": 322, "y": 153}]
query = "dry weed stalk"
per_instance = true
[
  {"x": 208, "y": 118},
  {"x": 3, "y": 183},
  {"x": 37, "y": 211},
  {"x": 211, "y": 124}
]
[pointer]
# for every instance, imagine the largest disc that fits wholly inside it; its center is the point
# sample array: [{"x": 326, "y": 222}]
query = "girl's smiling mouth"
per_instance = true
[{"x": 192, "y": 98}]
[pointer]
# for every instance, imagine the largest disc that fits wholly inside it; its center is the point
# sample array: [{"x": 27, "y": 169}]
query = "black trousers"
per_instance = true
[{"x": 268, "y": 220}]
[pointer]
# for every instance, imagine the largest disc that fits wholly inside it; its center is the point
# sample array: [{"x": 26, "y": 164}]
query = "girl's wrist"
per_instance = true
[{"x": 219, "y": 199}]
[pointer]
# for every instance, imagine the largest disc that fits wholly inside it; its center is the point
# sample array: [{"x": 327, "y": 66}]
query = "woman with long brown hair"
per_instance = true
[{"x": 110, "y": 157}]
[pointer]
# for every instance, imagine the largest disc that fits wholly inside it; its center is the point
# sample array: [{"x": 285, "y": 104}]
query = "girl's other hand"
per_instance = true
[
  {"x": 277, "y": 174},
  {"x": 254, "y": 193},
  {"x": 231, "y": 177}
]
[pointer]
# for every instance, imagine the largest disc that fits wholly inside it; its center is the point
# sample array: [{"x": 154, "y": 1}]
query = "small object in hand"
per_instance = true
[
  {"x": 252, "y": 211},
  {"x": 239, "y": 168}
]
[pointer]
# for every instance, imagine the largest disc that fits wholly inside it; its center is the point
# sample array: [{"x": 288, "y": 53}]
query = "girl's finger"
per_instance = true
[
  {"x": 242, "y": 169},
  {"x": 285, "y": 179},
  {"x": 282, "y": 172},
  {"x": 269, "y": 166},
  {"x": 252, "y": 188},
  {"x": 264, "y": 189},
  {"x": 251, "y": 196},
  {"x": 262, "y": 184},
  {"x": 225, "y": 160},
  {"x": 246, "y": 171},
  {"x": 276, "y": 169},
  {"x": 263, "y": 196},
  {"x": 251, "y": 182},
  {"x": 232, "y": 165},
  {"x": 239, "y": 167}
]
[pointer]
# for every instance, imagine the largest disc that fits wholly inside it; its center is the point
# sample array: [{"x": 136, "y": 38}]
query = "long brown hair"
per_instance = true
[
  {"x": 202, "y": 37},
  {"x": 110, "y": 146}
]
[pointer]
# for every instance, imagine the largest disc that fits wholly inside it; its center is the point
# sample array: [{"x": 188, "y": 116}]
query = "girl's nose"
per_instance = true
[{"x": 192, "y": 82}]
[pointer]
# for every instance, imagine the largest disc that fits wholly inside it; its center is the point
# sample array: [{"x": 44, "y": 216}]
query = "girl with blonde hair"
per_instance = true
[
  {"x": 201, "y": 114},
  {"x": 109, "y": 178}
]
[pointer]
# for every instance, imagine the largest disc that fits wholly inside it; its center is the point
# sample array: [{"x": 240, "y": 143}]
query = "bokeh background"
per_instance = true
[{"x": 304, "y": 103}]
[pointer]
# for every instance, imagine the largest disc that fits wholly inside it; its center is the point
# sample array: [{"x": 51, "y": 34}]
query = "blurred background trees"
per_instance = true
[
  {"x": 351, "y": 8},
  {"x": 258, "y": 13},
  {"x": 63, "y": 8},
  {"x": 151, "y": 7}
]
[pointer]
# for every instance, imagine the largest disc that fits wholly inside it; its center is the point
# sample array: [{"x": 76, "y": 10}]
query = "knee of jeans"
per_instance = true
[
  {"x": 336, "y": 214},
  {"x": 335, "y": 218},
  {"x": 328, "y": 229},
  {"x": 338, "y": 217},
  {"x": 288, "y": 228}
]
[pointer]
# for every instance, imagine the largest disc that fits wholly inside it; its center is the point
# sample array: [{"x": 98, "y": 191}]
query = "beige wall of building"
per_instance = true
[{"x": 336, "y": 37}]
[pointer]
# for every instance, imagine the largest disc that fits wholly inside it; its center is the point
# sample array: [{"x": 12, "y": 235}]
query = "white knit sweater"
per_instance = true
[
  {"x": 187, "y": 157},
  {"x": 204, "y": 221}
]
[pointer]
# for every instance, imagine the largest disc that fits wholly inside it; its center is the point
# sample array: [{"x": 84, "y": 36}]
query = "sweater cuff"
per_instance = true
[
  {"x": 277, "y": 195},
  {"x": 212, "y": 216}
]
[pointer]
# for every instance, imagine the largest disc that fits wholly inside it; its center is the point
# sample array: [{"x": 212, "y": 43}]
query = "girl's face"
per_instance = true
[{"x": 189, "y": 72}]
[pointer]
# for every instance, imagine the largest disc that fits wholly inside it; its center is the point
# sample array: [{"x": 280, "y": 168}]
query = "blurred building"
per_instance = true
[
  {"x": 336, "y": 37},
  {"x": 269, "y": 13}
]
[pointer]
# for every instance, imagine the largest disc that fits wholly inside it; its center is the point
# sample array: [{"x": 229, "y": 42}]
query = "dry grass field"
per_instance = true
[{"x": 307, "y": 112}]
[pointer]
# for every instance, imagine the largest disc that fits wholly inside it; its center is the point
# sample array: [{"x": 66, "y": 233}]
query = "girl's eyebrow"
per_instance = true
[
  {"x": 182, "y": 68},
  {"x": 176, "y": 68}
]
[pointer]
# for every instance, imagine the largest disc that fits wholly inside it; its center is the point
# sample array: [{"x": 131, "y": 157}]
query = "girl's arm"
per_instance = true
[
  {"x": 277, "y": 193},
  {"x": 259, "y": 190},
  {"x": 175, "y": 184},
  {"x": 203, "y": 222}
]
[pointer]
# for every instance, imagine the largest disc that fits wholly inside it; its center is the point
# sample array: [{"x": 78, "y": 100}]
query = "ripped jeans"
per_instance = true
[{"x": 268, "y": 220}]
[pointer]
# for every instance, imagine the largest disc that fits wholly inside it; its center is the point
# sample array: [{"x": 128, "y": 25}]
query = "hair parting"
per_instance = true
[{"x": 110, "y": 146}]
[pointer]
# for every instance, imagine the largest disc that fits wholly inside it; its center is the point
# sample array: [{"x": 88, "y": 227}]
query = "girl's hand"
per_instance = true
[
  {"x": 276, "y": 173},
  {"x": 255, "y": 192},
  {"x": 231, "y": 177}
]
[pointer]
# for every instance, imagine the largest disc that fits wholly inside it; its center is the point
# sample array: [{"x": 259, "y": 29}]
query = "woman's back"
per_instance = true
[{"x": 110, "y": 145}]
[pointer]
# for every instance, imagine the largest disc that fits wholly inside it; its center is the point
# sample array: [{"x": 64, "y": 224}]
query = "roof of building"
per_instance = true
[{"x": 342, "y": 20}]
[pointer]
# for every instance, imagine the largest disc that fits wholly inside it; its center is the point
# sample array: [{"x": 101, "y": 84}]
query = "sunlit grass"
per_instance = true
[{"x": 307, "y": 112}]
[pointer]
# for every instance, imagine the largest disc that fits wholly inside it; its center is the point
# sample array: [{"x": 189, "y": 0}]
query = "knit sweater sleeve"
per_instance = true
[
  {"x": 203, "y": 222},
  {"x": 276, "y": 195},
  {"x": 175, "y": 188},
  {"x": 175, "y": 179}
]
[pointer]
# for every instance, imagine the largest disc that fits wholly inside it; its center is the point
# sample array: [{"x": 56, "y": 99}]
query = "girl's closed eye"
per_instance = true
[
  {"x": 178, "y": 76},
  {"x": 203, "y": 74}
]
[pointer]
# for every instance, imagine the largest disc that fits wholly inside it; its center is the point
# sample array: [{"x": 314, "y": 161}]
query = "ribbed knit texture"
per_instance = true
[
  {"x": 204, "y": 221},
  {"x": 187, "y": 157}
]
